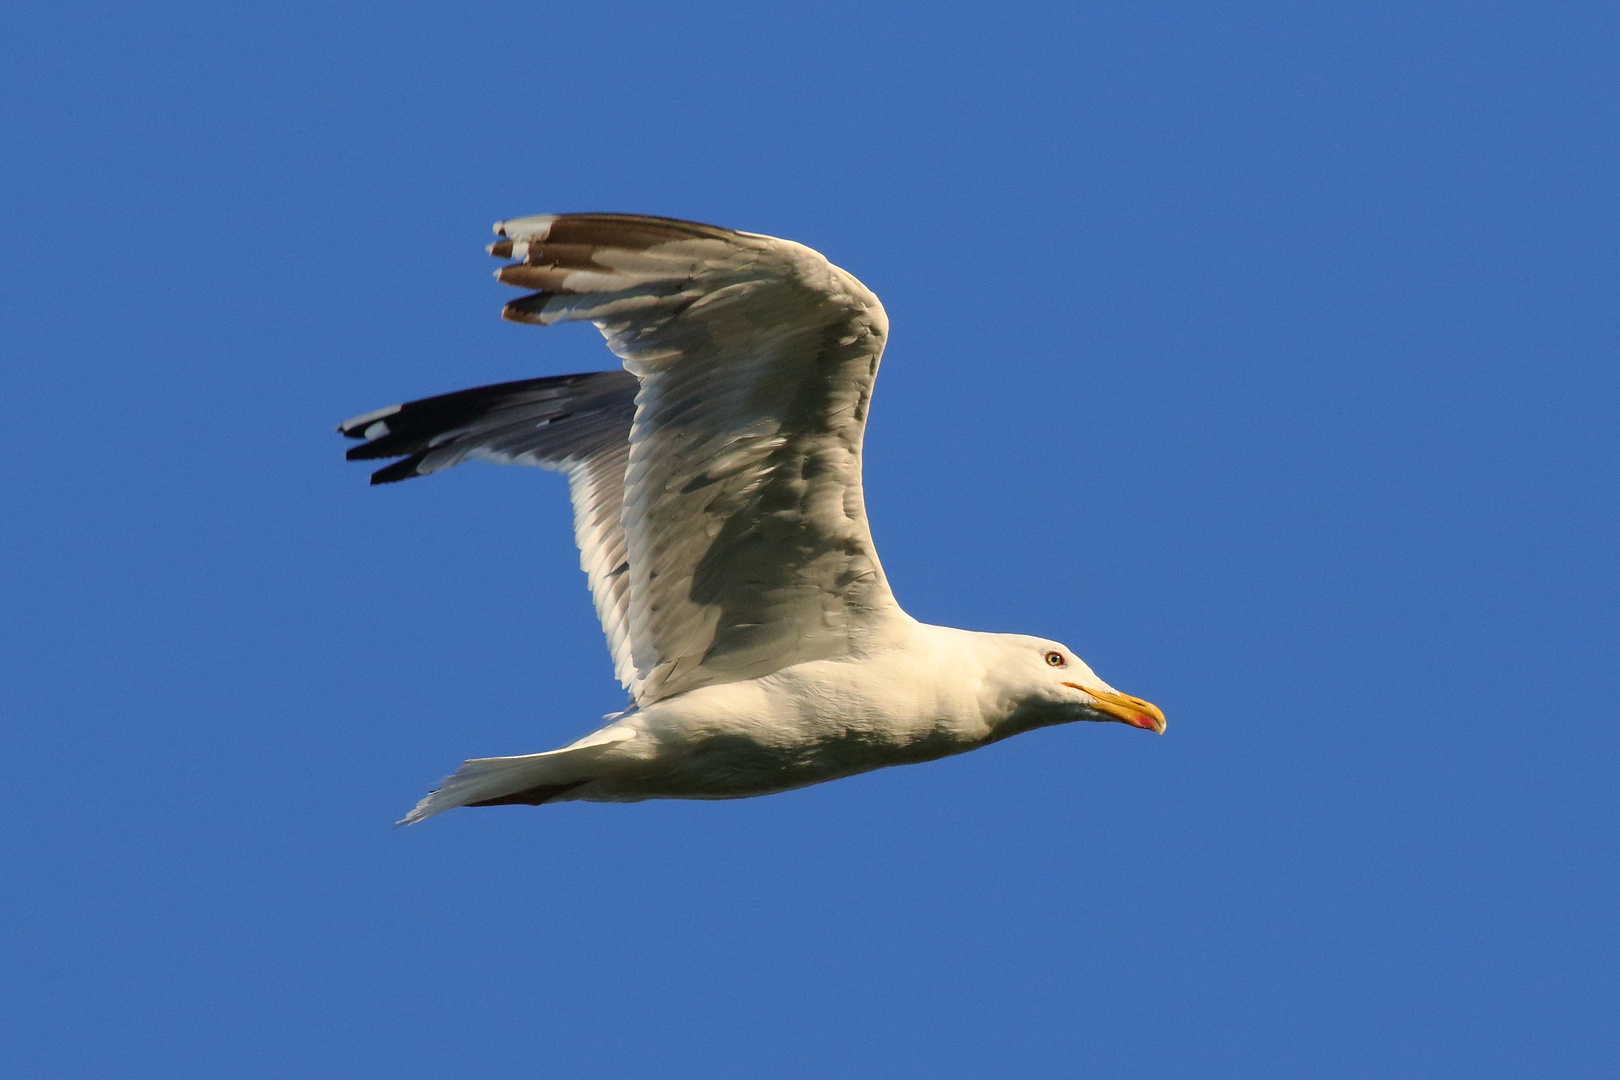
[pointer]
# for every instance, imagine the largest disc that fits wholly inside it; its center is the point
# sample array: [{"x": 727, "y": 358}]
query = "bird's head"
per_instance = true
[{"x": 1036, "y": 683}]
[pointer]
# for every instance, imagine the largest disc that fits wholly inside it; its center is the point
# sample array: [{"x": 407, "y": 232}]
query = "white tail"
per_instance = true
[{"x": 483, "y": 780}]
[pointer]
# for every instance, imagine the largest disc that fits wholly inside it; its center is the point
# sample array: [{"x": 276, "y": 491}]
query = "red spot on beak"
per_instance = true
[{"x": 1132, "y": 710}]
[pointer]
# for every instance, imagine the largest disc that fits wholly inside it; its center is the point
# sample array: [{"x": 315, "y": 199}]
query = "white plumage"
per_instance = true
[{"x": 716, "y": 485}]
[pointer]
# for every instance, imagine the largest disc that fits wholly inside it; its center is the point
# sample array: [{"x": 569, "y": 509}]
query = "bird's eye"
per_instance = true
[{"x": 1055, "y": 658}]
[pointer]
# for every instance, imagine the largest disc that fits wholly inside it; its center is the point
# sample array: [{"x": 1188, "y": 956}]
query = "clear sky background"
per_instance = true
[{"x": 1265, "y": 353}]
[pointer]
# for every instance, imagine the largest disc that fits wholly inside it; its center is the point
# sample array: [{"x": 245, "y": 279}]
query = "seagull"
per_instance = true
[{"x": 716, "y": 488}]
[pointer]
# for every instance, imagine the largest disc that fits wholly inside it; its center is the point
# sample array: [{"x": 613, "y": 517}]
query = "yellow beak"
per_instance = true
[{"x": 1133, "y": 710}]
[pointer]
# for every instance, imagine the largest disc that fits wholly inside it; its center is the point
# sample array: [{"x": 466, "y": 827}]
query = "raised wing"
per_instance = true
[
  {"x": 575, "y": 424},
  {"x": 744, "y": 521}
]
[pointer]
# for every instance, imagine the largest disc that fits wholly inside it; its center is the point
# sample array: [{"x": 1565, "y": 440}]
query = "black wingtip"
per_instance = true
[
  {"x": 399, "y": 470},
  {"x": 553, "y": 411},
  {"x": 527, "y": 309}
]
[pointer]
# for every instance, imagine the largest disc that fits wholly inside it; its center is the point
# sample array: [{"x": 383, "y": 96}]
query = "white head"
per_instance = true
[{"x": 1036, "y": 683}]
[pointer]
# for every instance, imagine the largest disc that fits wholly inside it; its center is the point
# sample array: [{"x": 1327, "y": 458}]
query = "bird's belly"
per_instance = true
[
  {"x": 804, "y": 725},
  {"x": 737, "y": 764}
]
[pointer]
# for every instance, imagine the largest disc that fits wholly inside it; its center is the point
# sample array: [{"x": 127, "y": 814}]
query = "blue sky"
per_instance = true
[{"x": 1264, "y": 353}]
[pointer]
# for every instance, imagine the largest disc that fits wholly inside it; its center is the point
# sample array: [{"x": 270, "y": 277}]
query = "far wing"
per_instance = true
[
  {"x": 744, "y": 519},
  {"x": 575, "y": 424}
]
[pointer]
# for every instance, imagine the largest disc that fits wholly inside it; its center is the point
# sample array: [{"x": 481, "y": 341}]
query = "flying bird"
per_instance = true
[{"x": 716, "y": 486}]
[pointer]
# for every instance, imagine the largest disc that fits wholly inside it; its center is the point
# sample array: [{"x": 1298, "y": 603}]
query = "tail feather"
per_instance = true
[
  {"x": 529, "y": 778},
  {"x": 540, "y": 793}
]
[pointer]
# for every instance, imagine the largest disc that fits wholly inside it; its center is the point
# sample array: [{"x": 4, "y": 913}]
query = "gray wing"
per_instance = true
[
  {"x": 744, "y": 521},
  {"x": 575, "y": 424}
]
